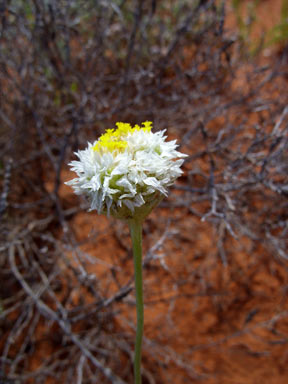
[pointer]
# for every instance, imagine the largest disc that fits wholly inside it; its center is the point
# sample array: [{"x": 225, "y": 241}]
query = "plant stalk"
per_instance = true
[{"x": 136, "y": 235}]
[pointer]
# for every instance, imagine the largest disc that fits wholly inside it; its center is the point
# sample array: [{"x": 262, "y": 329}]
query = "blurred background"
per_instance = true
[{"x": 214, "y": 74}]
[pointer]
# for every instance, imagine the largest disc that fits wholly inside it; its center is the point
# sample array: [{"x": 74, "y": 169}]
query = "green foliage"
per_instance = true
[
  {"x": 245, "y": 25},
  {"x": 74, "y": 87},
  {"x": 279, "y": 34},
  {"x": 276, "y": 35}
]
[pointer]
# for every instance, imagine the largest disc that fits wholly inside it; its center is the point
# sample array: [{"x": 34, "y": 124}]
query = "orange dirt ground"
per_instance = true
[
  {"x": 214, "y": 317},
  {"x": 205, "y": 321}
]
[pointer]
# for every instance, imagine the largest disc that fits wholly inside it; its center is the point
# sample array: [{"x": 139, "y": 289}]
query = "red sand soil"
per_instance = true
[
  {"x": 203, "y": 320},
  {"x": 210, "y": 321}
]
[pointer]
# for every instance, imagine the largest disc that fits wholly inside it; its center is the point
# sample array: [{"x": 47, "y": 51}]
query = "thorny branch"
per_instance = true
[{"x": 74, "y": 69}]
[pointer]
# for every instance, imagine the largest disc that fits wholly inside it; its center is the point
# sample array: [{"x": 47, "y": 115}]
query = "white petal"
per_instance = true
[{"x": 129, "y": 204}]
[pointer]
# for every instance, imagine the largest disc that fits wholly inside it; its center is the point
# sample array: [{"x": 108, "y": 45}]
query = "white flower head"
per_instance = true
[{"x": 126, "y": 172}]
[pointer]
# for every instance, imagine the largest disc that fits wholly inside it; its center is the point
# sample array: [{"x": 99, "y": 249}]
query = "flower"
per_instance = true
[{"x": 126, "y": 172}]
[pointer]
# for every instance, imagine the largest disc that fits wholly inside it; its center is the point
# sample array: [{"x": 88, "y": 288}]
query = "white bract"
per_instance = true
[{"x": 127, "y": 171}]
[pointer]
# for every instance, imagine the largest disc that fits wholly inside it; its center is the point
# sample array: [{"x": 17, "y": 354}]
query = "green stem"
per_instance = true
[{"x": 136, "y": 235}]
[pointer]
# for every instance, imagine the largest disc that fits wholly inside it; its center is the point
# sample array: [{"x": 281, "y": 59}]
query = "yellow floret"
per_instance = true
[
  {"x": 114, "y": 139},
  {"x": 147, "y": 126}
]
